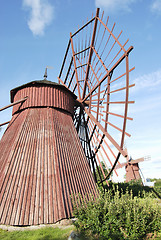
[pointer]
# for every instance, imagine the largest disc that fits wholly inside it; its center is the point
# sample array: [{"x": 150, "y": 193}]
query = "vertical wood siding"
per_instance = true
[{"x": 42, "y": 162}]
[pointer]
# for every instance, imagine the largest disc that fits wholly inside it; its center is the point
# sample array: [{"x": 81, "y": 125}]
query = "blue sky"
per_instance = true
[{"x": 35, "y": 33}]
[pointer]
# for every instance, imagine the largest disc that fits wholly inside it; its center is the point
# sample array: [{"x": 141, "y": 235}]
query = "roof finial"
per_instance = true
[{"x": 45, "y": 74}]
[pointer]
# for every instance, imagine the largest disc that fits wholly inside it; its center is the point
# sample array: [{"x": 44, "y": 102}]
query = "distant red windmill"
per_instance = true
[
  {"x": 131, "y": 167},
  {"x": 60, "y": 133}
]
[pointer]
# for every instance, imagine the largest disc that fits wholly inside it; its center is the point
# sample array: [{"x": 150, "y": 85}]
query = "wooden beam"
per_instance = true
[
  {"x": 12, "y": 104},
  {"x": 106, "y": 133},
  {"x": 4, "y": 123},
  {"x": 90, "y": 53},
  {"x": 109, "y": 72},
  {"x": 75, "y": 66}
]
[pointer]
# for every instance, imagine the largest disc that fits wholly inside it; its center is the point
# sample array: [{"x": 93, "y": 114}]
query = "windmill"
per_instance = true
[
  {"x": 60, "y": 132},
  {"x": 132, "y": 167}
]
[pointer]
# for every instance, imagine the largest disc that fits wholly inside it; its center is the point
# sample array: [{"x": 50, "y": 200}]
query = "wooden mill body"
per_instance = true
[
  {"x": 132, "y": 172},
  {"x": 42, "y": 162}
]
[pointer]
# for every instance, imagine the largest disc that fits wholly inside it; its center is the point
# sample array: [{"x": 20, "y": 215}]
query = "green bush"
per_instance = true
[
  {"x": 158, "y": 190},
  {"x": 135, "y": 186},
  {"x": 115, "y": 216},
  {"x": 157, "y": 182}
]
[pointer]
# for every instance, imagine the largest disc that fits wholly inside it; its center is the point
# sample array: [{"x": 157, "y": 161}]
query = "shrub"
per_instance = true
[
  {"x": 135, "y": 186},
  {"x": 114, "y": 215}
]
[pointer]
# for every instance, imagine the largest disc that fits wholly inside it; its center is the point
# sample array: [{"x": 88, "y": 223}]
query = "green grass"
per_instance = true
[{"x": 45, "y": 233}]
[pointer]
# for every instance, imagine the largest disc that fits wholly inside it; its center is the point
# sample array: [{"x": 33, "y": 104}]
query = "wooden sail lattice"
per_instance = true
[{"x": 96, "y": 68}]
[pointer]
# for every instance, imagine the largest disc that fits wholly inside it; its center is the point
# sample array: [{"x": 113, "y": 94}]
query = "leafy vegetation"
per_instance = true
[
  {"x": 135, "y": 187},
  {"x": 116, "y": 214},
  {"x": 157, "y": 181},
  {"x": 157, "y": 185}
]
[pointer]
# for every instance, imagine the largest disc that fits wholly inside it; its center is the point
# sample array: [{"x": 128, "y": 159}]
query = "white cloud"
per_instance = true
[
  {"x": 156, "y": 6},
  {"x": 143, "y": 107},
  {"x": 115, "y": 5},
  {"x": 41, "y": 15},
  {"x": 150, "y": 80}
]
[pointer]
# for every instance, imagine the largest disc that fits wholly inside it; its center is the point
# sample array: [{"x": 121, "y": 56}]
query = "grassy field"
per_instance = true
[{"x": 46, "y": 233}]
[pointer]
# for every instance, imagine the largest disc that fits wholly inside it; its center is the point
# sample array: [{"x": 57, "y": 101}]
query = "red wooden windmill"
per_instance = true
[
  {"x": 131, "y": 167},
  {"x": 60, "y": 133}
]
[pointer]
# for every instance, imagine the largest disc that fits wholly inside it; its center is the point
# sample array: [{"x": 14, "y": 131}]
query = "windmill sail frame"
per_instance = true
[{"x": 90, "y": 69}]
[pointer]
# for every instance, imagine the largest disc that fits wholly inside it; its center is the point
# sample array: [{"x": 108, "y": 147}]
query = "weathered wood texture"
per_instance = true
[{"x": 42, "y": 161}]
